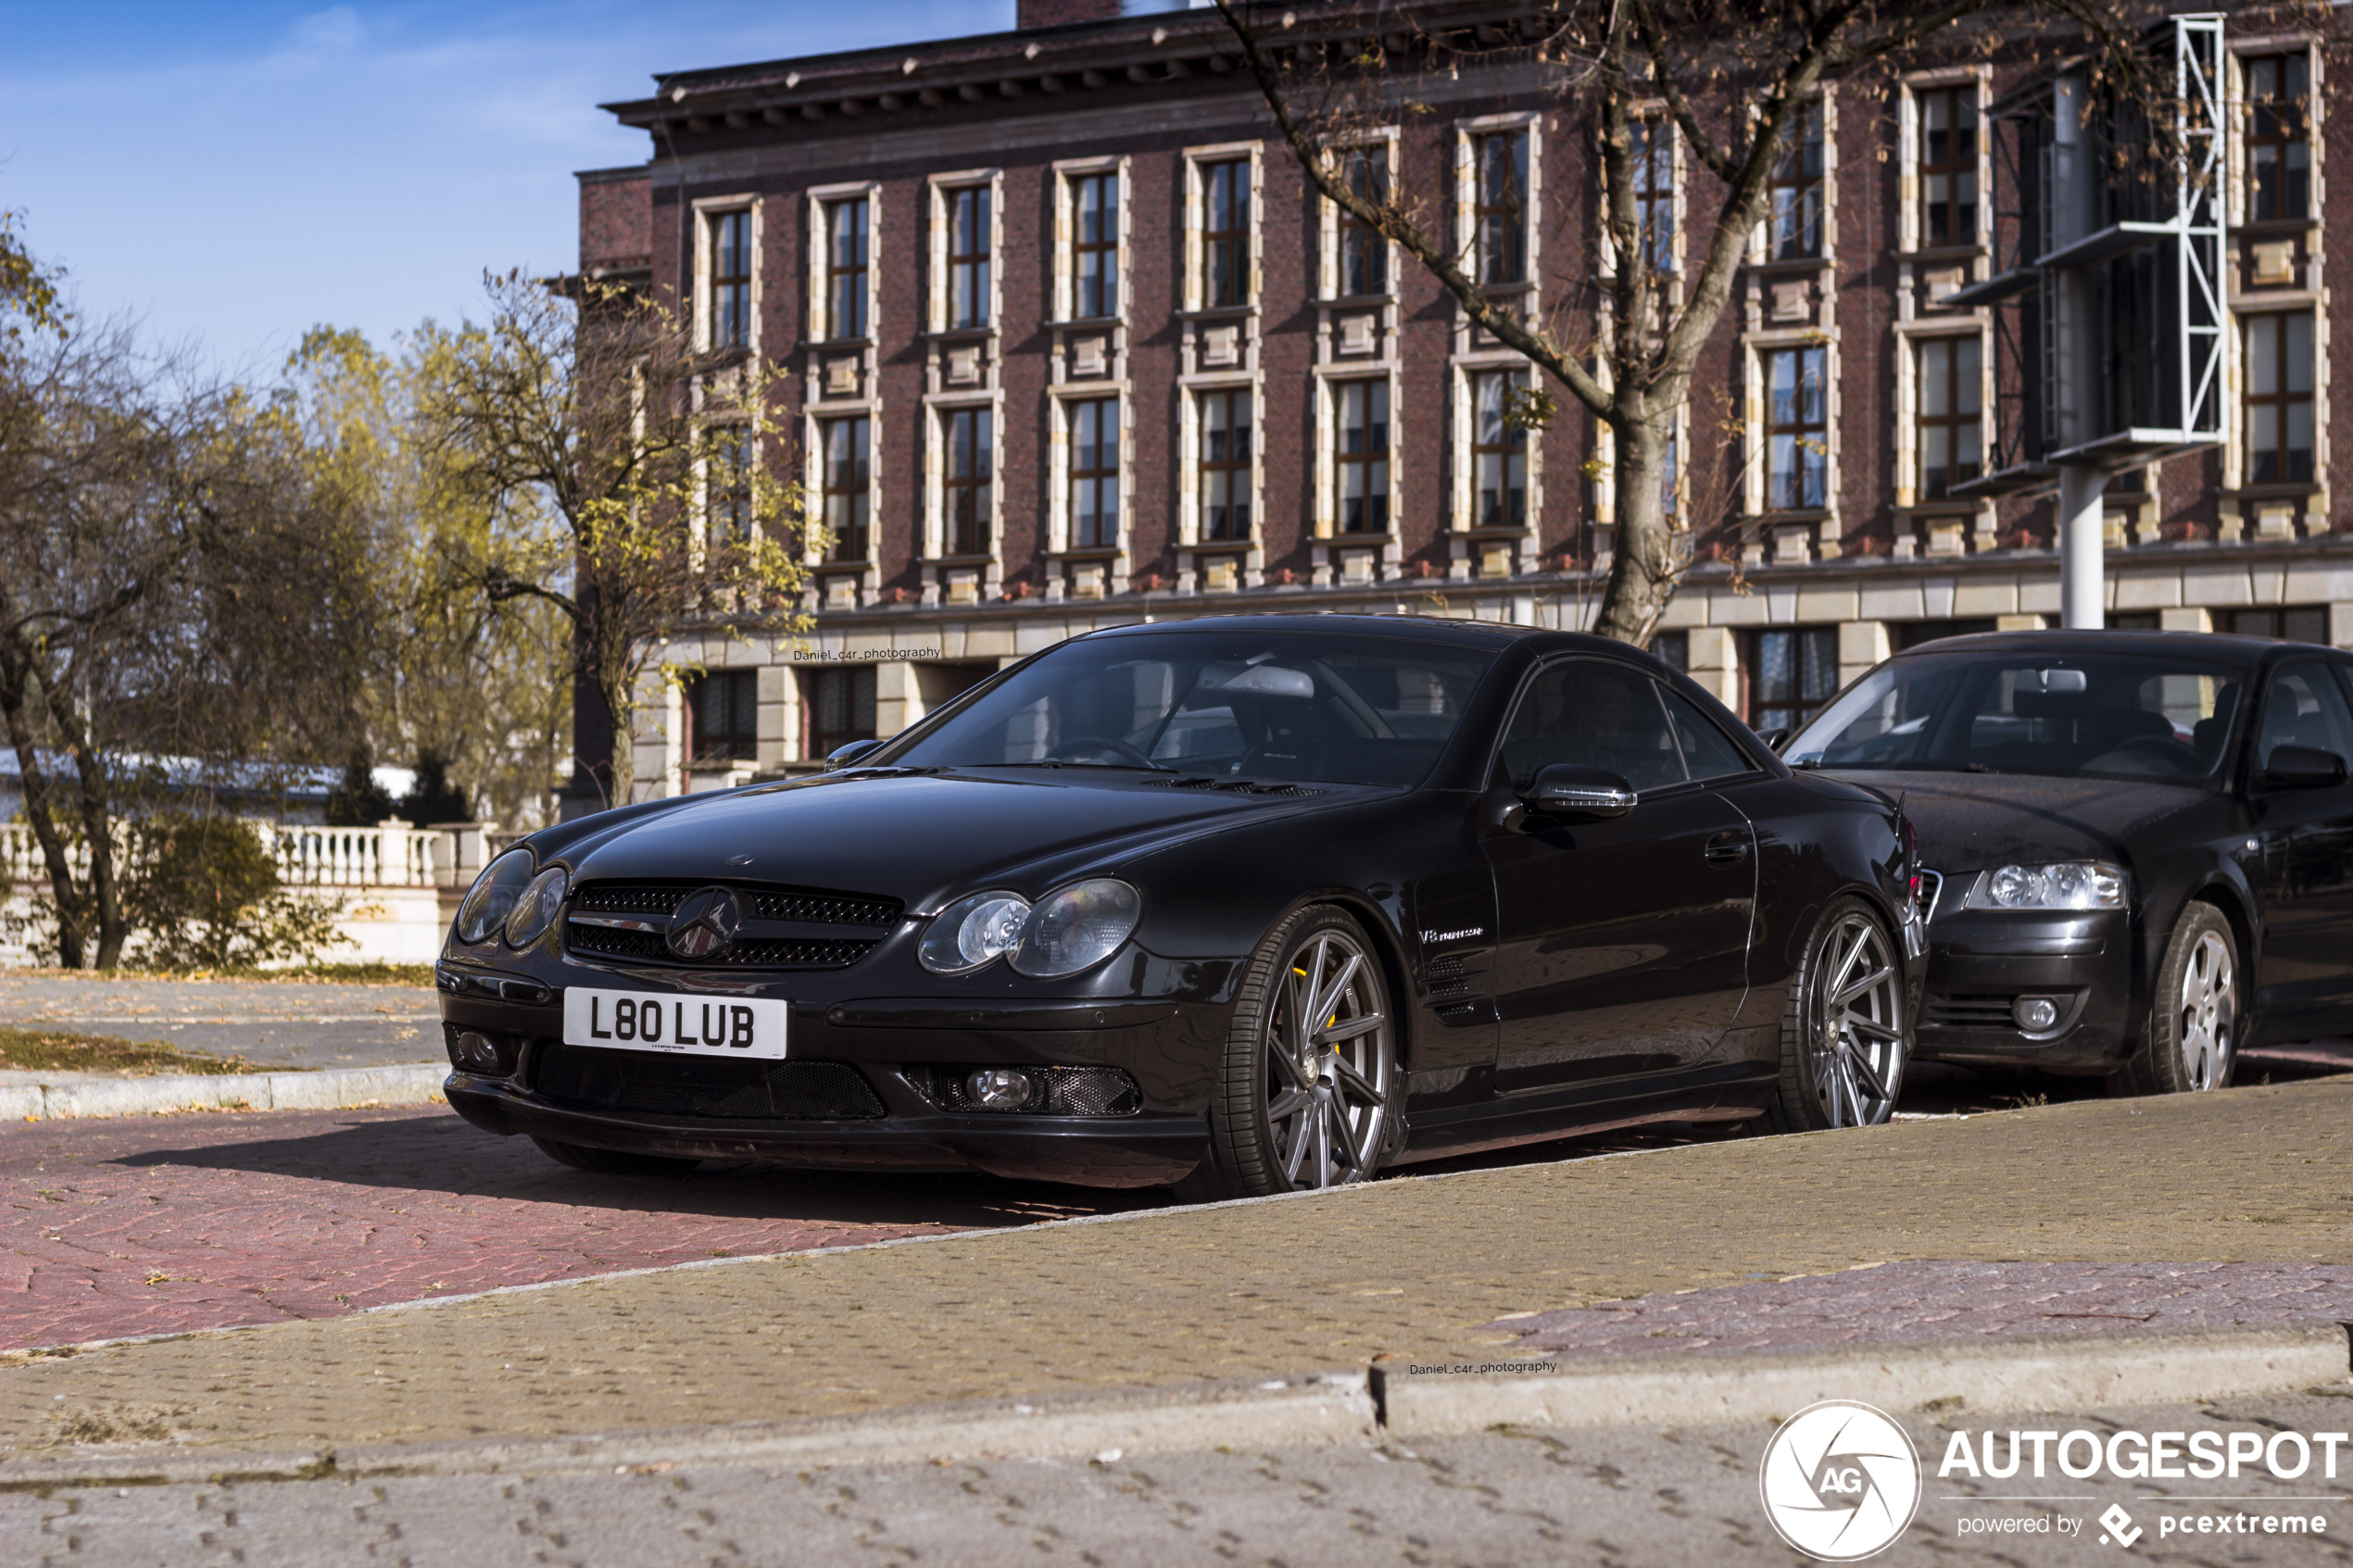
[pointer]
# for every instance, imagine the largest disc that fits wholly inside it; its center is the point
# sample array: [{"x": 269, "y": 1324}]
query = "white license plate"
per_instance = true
[{"x": 641, "y": 1021}]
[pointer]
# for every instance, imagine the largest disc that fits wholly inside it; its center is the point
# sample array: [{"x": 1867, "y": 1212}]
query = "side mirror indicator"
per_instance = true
[
  {"x": 2302, "y": 767},
  {"x": 1565, "y": 789}
]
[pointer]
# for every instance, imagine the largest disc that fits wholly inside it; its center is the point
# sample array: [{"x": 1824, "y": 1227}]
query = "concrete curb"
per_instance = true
[
  {"x": 2021, "y": 1374},
  {"x": 1390, "y": 1402},
  {"x": 335, "y": 1088}
]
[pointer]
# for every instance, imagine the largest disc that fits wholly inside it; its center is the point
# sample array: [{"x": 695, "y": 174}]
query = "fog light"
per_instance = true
[
  {"x": 998, "y": 1089},
  {"x": 475, "y": 1053},
  {"x": 2034, "y": 1014}
]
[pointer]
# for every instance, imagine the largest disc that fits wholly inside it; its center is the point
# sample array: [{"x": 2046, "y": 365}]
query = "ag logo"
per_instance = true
[
  {"x": 1840, "y": 1481},
  {"x": 704, "y": 921}
]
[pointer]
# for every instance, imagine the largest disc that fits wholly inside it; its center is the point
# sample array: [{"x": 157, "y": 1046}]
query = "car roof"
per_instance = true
[
  {"x": 2211, "y": 645},
  {"x": 1492, "y": 635}
]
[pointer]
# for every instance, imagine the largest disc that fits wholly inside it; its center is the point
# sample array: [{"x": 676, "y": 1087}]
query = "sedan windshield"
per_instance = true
[
  {"x": 2007, "y": 712},
  {"x": 1342, "y": 710}
]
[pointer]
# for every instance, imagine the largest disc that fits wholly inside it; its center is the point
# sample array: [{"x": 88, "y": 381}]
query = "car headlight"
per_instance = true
[
  {"x": 972, "y": 932},
  {"x": 536, "y": 911},
  {"x": 2071, "y": 884},
  {"x": 492, "y": 897},
  {"x": 1076, "y": 926}
]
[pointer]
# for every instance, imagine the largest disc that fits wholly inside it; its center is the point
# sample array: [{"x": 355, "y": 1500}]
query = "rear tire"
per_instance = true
[
  {"x": 612, "y": 1162},
  {"x": 2191, "y": 1044},
  {"x": 1847, "y": 1036},
  {"x": 1307, "y": 1093}
]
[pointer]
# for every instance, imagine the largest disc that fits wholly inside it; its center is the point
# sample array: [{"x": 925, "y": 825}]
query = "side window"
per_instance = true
[
  {"x": 2305, "y": 707},
  {"x": 1707, "y": 751},
  {"x": 1595, "y": 715}
]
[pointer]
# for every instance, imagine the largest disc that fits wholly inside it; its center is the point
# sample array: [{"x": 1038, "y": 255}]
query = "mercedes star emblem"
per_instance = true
[{"x": 705, "y": 921}]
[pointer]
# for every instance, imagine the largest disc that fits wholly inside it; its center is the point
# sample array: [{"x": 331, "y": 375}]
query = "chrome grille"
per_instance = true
[{"x": 784, "y": 927}]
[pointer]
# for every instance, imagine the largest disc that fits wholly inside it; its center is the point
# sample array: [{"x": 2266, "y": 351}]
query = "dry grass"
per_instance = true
[{"x": 62, "y": 1050}]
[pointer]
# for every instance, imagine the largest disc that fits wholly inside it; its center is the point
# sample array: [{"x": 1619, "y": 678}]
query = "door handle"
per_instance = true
[{"x": 1727, "y": 849}]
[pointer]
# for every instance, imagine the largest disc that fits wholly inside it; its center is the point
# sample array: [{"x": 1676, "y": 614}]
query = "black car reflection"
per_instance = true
[
  {"x": 1245, "y": 905},
  {"x": 2142, "y": 843}
]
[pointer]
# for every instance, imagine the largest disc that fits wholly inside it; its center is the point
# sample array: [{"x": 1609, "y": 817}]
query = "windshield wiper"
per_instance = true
[
  {"x": 1979, "y": 768},
  {"x": 1122, "y": 766}
]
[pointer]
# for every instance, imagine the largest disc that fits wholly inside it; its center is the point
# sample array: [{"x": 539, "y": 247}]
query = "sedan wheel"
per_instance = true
[
  {"x": 1844, "y": 1040},
  {"x": 2192, "y": 1042},
  {"x": 1306, "y": 1094}
]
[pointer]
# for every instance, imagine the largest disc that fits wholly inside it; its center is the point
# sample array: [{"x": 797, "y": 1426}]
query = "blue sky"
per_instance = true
[{"x": 232, "y": 174}]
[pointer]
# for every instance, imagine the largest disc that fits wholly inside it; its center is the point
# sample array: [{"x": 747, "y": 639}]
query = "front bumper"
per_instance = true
[{"x": 1981, "y": 961}]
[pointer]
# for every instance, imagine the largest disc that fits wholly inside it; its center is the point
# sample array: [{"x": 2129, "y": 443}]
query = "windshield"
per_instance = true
[
  {"x": 2102, "y": 715},
  {"x": 1342, "y": 710}
]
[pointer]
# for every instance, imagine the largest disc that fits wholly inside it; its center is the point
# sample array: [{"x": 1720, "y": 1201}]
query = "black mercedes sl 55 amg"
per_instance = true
[
  {"x": 2139, "y": 844},
  {"x": 1241, "y": 905}
]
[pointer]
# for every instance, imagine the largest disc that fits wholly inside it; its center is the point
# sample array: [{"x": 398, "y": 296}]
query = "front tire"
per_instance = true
[
  {"x": 1306, "y": 1095},
  {"x": 2191, "y": 1044},
  {"x": 1845, "y": 1039},
  {"x": 612, "y": 1162}
]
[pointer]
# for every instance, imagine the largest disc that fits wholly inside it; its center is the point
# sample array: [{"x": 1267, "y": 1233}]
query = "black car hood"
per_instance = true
[
  {"x": 1971, "y": 821},
  {"x": 923, "y": 837}
]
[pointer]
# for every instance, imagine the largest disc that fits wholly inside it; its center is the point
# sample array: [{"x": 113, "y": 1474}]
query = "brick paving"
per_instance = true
[
  {"x": 161, "y": 1225},
  {"x": 1916, "y": 1299},
  {"x": 276, "y": 1022}
]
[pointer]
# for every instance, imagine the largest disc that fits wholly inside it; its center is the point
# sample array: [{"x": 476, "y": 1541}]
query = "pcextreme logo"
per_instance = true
[{"x": 1840, "y": 1481}]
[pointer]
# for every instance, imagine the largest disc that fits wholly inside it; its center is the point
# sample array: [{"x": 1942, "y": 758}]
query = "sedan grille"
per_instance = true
[
  {"x": 783, "y": 928},
  {"x": 658, "y": 1084}
]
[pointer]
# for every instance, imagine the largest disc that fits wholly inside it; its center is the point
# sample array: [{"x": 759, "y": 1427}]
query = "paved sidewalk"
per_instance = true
[
  {"x": 165, "y": 1224},
  {"x": 275, "y": 1023},
  {"x": 1325, "y": 1282}
]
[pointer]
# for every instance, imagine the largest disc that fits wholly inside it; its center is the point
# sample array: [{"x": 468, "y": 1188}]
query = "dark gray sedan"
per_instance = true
[{"x": 2140, "y": 845}]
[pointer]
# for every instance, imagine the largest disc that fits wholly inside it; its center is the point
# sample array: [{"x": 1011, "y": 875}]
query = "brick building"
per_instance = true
[{"x": 1071, "y": 342}]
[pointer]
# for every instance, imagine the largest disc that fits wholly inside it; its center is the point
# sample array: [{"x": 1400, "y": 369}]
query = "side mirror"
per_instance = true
[
  {"x": 1566, "y": 790},
  {"x": 2302, "y": 767},
  {"x": 843, "y": 755},
  {"x": 1774, "y": 739}
]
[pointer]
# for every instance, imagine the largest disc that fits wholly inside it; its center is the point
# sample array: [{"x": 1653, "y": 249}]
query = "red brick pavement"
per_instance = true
[{"x": 165, "y": 1223}]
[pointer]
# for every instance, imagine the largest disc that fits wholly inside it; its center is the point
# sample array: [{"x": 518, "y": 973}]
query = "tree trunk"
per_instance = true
[{"x": 1647, "y": 559}]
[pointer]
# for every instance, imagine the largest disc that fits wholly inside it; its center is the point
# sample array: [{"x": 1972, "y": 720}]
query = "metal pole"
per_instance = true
[{"x": 2081, "y": 543}]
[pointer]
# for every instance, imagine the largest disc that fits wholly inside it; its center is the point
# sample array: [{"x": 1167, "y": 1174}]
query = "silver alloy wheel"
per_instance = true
[
  {"x": 2207, "y": 1012},
  {"x": 1330, "y": 1055},
  {"x": 1858, "y": 1025}
]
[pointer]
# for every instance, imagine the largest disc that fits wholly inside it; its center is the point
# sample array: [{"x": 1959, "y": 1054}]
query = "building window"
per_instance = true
[
  {"x": 2297, "y": 623},
  {"x": 731, "y": 280},
  {"x": 727, "y": 481},
  {"x": 970, "y": 481},
  {"x": 722, "y": 713},
  {"x": 1224, "y": 237},
  {"x": 968, "y": 235},
  {"x": 1950, "y": 423},
  {"x": 2279, "y": 147},
  {"x": 849, "y": 470},
  {"x": 1948, "y": 166},
  {"x": 1361, "y": 457},
  {"x": 845, "y": 263},
  {"x": 1094, "y": 474},
  {"x": 840, "y": 705},
  {"x": 1363, "y": 254},
  {"x": 1094, "y": 244},
  {"x": 1796, "y": 449},
  {"x": 1224, "y": 463},
  {"x": 1655, "y": 192},
  {"x": 2279, "y": 398},
  {"x": 1500, "y": 206},
  {"x": 1796, "y": 222},
  {"x": 1674, "y": 651},
  {"x": 1498, "y": 453},
  {"x": 1789, "y": 675},
  {"x": 1912, "y": 634},
  {"x": 2123, "y": 620}
]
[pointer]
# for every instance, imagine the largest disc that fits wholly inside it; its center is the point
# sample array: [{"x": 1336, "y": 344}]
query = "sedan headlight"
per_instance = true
[
  {"x": 492, "y": 897},
  {"x": 971, "y": 932},
  {"x": 1076, "y": 926},
  {"x": 536, "y": 911},
  {"x": 2071, "y": 884}
]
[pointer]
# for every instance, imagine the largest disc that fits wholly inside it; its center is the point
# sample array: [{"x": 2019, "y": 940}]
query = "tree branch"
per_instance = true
[{"x": 1654, "y": 44}]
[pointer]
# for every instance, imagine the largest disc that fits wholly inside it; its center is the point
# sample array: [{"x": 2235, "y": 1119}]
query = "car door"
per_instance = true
[
  {"x": 1622, "y": 944},
  {"x": 2305, "y": 976}
]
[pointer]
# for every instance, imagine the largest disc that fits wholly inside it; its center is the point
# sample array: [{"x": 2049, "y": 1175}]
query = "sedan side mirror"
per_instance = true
[
  {"x": 1565, "y": 789},
  {"x": 843, "y": 755},
  {"x": 2302, "y": 767},
  {"x": 1774, "y": 739}
]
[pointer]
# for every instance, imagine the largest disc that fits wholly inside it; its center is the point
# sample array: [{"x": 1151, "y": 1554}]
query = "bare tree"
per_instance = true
[
  {"x": 1732, "y": 77},
  {"x": 633, "y": 480}
]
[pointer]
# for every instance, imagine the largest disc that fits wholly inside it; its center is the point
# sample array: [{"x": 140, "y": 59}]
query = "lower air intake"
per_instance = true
[{"x": 658, "y": 1083}]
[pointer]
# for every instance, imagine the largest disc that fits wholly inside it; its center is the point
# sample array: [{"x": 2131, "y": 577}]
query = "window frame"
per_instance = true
[
  {"x": 1770, "y": 429},
  {"x": 1754, "y": 708},
  {"x": 693, "y": 692},
  {"x": 1369, "y": 460},
  {"x": 729, "y": 452},
  {"x": 1239, "y": 471},
  {"x": 1240, "y": 173},
  {"x": 728, "y": 296},
  {"x": 968, "y": 300},
  {"x": 2295, "y": 130},
  {"x": 2282, "y": 400},
  {"x": 1953, "y": 421},
  {"x": 1815, "y": 114},
  {"x": 813, "y": 685},
  {"x": 1956, "y": 167},
  {"x": 1489, "y": 215},
  {"x": 968, "y": 498},
  {"x": 1105, "y": 249},
  {"x": 1105, "y": 411},
  {"x": 832, "y": 272},
  {"x": 1513, "y": 446},
  {"x": 858, "y": 496},
  {"x": 1656, "y": 205},
  {"x": 1350, "y": 231}
]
